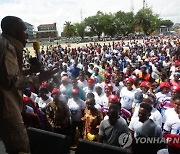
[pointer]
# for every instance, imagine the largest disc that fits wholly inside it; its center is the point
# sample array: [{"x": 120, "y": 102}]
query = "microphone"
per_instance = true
[
  {"x": 36, "y": 47},
  {"x": 36, "y": 61}
]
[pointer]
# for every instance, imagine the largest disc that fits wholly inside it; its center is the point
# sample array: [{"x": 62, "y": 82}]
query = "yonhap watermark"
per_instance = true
[
  {"x": 125, "y": 140},
  {"x": 156, "y": 140}
]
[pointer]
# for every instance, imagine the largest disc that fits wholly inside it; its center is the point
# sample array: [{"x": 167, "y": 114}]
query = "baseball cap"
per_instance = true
[
  {"x": 145, "y": 84},
  {"x": 172, "y": 138},
  {"x": 90, "y": 81},
  {"x": 54, "y": 91},
  {"x": 113, "y": 98},
  {"x": 164, "y": 85},
  {"x": 130, "y": 79},
  {"x": 75, "y": 91},
  {"x": 176, "y": 87},
  {"x": 138, "y": 97}
]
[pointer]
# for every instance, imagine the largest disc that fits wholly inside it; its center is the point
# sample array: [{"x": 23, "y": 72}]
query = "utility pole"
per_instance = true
[
  {"x": 132, "y": 6},
  {"x": 145, "y": 5},
  {"x": 81, "y": 16}
]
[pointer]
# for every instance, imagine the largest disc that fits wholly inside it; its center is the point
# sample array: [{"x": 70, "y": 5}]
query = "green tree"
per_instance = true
[
  {"x": 95, "y": 24},
  {"x": 80, "y": 29},
  {"x": 124, "y": 22},
  {"x": 167, "y": 23},
  {"x": 147, "y": 21},
  {"x": 69, "y": 29},
  {"x": 107, "y": 24}
]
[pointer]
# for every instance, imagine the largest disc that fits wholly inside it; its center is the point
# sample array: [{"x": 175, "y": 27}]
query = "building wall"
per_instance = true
[
  {"x": 47, "y": 34},
  {"x": 47, "y": 31}
]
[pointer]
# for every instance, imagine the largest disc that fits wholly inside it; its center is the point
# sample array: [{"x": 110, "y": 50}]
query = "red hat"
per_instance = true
[
  {"x": 107, "y": 75},
  {"x": 172, "y": 140},
  {"x": 113, "y": 98},
  {"x": 26, "y": 99},
  {"x": 109, "y": 86},
  {"x": 90, "y": 81},
  {"x": 177, "y": 63},
  {"x": 177, "y": 88},
  {"x": 75, "y": 91},
  {"x": 145, "y": 84},
  {"x": 130, "y": 79},
  {"x": 164, "y": 85},
  {"x": 54, "y": 91}
]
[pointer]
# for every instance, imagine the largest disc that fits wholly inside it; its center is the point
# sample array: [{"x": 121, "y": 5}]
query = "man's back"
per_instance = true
[{"x": 111, "y": 133}]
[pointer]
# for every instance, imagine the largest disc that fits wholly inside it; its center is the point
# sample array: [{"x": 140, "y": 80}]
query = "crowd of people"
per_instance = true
[{"x": 103, "y": 91}]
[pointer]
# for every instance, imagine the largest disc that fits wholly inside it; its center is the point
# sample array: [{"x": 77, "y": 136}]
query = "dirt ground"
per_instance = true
[{"x": 75, "y": 45}]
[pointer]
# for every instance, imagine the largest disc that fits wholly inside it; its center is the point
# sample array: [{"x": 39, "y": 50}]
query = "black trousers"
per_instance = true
[{"x": 74, "y": 125}]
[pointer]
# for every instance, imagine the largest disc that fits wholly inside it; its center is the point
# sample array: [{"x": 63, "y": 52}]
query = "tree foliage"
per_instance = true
[
  {"x": 69, "y": 29},
  {"x": 80, "y": 29},
  {"x": 167, "y": 23},
  {"x": 147, "y": 21},
  {"x": 95, "y": 23},
  {"x": 122, "y": 23}
]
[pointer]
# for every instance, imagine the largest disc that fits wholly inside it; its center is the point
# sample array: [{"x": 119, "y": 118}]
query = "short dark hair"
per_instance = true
[
  {"x": 90, "y": 95},
  {"x": 113, "y": 108},
  {"x": 92, "y": 100},
  {"x": 9, "y": 22},
  {"x": 146, "y": 106}
]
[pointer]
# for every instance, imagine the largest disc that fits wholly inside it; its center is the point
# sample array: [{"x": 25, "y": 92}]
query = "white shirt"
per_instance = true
[
  {"x": 127, "y": 97},
  {"x": 137, "y": 71},
  {"x": 160, "y": 97},
  {"x": 105, "y": 101},
  {"x": 172, "y": 124},
  {"x": 155, "y": 115},
  {"x": 168, "y": 112},
  {"x": 99, "y": 100},
  {"x": 135, "y": 126},
  {"x": 33, "y": 96},
  {"x": 82, "y": 84},
  {"x": 76, "y": 108},
  {"x": 41, "y": 103},
  {"x": 65, "y": 73},
  {"x": 64, "y": 89}
]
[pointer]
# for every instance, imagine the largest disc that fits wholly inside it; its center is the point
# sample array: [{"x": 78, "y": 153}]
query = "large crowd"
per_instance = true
[{"x": 103, "y": 91}]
